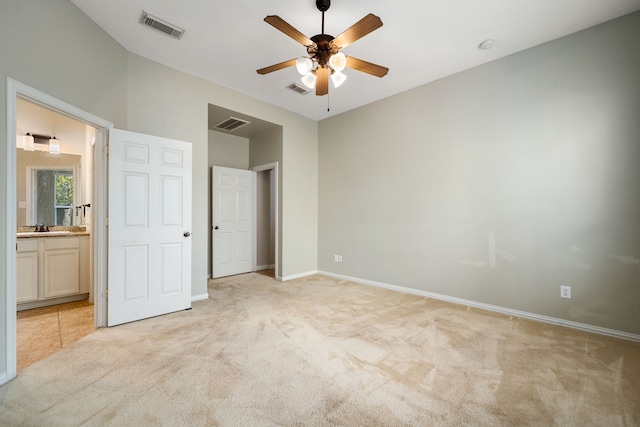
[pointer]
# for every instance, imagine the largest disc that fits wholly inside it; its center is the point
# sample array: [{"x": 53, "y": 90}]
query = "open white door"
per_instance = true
[
  {"x": 149, "y": 271},
  {"x": 232, "y": 219}
]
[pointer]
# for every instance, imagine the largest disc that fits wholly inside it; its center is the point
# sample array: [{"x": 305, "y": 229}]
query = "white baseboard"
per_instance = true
[
  {"x": 199, "y": 297},
  {"x": 265, "y": 267},
  {"x": 494, "y": 308},
  {"x": 298, "y": 276}
]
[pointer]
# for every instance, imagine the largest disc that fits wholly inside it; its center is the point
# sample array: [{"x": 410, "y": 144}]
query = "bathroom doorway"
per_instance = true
[
  {"x": 54, "y": 286},
  {"x": 95, "y": 185}
]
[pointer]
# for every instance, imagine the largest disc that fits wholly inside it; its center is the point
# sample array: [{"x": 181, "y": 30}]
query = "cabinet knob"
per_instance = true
[
  {"x": 186, "y": 234},
  {"x": 216, "y": 227}
]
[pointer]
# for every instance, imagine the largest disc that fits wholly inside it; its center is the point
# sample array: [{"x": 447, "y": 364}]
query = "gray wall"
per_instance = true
[
  {"x": 266, "y": 147},
  {"x": 265, "y": 254},
  {"x": 228, "y": 150},
  {"x": 166, "y": 102},
  {"x": 90, "y": 74},
  {"x": 95, "y": 74},
  {"x": 499, "y": 184}
]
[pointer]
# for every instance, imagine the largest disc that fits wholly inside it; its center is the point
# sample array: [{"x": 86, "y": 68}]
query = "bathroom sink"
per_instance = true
[{"x": 42, "y": 233}]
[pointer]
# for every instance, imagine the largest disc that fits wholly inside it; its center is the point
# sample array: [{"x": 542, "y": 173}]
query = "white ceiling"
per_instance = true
[{"x": 226, "y": 41}]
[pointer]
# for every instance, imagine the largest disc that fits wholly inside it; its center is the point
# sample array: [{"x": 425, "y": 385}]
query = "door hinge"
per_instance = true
[{"x": 106, "y": 150}]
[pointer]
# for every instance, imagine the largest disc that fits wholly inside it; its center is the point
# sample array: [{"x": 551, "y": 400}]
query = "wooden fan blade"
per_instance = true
[
  {"x": 276, "y": 67},
  {"x": 322, "y": 81},
  {"x": 285, "y": 27},
  {"x": 366, "y": 67},
  {"x": 358, "y": 30}
]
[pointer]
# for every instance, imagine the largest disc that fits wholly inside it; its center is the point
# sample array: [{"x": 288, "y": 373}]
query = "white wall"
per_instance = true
[{"x": 499, "y": 184}]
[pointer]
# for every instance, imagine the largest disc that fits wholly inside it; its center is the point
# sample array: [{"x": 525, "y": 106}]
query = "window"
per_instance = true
[{"x": 53, "y": 196}]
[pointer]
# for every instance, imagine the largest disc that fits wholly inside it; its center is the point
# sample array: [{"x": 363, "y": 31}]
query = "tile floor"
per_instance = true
[{"x": 43, "y": 331}]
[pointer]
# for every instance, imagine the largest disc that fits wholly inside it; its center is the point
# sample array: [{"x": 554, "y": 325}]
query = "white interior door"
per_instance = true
[
  {"x": 232, "y": 219},
  {"x": 149, "y": 270}
]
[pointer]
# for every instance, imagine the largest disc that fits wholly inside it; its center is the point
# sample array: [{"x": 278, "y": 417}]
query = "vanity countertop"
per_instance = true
[{"x": 54, "y": 232}]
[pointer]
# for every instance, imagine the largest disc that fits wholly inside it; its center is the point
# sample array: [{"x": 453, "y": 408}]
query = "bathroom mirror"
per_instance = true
[{"x": 48, "y": 188}]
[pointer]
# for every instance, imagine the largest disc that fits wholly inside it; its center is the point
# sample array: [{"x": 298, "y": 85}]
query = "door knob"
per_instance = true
[
  {"x": 216, "y": 227},
  {"x": 186, "y": 234}
]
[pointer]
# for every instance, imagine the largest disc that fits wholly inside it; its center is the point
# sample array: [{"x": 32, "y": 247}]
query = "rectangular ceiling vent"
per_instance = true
[
  {"x": 231, "y": 124},
  {"x": 302, "y": 90},
  {"x": 161, "y": 25}
]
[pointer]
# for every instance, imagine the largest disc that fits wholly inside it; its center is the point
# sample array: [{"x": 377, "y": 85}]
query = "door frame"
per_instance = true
[
  {"x": 17, "y": 90},
  {"x": 274, "y": 190}
]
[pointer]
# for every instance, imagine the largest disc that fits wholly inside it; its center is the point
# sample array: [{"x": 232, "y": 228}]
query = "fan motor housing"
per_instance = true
[
  {"x": 323, "y": 49},
  {"x": 323, "y": 5}
]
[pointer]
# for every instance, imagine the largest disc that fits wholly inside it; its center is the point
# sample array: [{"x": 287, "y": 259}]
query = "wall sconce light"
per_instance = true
[
  {"x": 54, "y": 146},
  {"x": 28, "y": 142}
]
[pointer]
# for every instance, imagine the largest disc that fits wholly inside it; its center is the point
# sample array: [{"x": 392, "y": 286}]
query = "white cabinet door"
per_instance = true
[
  {"x": 61, "y": 273},
  {"x": 61, "y": 267},
  {"x": 27, "y": 275}
]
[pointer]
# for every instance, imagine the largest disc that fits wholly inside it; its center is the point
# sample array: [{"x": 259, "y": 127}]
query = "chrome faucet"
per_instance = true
[{"x": 42, "y": 228}]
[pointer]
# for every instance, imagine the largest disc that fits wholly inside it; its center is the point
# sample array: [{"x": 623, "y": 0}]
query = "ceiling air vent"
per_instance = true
[
  {"x": 231, "y": 124},
  {"x": 161, "y": 25},
  {"x": 299, "y": 88}
]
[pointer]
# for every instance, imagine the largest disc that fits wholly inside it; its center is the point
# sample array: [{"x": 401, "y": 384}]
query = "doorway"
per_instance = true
[
  {"x": 266, "y": 219},
  {"x": 244, "y": 206},
  {"x": 55, "y": 308},
  {"x": 17, "y": 91},
  {"x": 255, "y": 146}
]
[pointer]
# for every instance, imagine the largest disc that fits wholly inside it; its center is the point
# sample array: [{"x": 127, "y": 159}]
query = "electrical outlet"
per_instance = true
[
  {"x": 565, "y": 292},
  {"x": 337, "y": 258}
]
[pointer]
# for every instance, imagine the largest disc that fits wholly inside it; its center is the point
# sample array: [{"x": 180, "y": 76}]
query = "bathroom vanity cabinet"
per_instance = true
[
  {"x": 51, "y": 270},
  {"x": 27, "y": 270}
]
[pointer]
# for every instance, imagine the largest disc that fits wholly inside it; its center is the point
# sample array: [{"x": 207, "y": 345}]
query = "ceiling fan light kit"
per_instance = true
[
  {"x": 338, "y": 61},
  {"x": 324, "y": 58},
  {"x": 304, "y": 64},
  {"x": 309, "y": 80},
  {"x": 338, "y": 78}
]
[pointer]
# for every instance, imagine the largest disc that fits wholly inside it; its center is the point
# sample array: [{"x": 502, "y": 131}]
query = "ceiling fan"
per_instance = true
[{"x": 324, "y": 57}]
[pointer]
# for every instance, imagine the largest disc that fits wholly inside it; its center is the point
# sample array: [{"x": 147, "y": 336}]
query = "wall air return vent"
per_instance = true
[
  {"x": 299, "y": 88},
  {"x": 161, "y": 25},
  {"x": 231, "y": 124}
]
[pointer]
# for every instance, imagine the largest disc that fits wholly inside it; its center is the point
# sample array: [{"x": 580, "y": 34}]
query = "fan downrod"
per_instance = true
[{"x": 323, "y": 5}]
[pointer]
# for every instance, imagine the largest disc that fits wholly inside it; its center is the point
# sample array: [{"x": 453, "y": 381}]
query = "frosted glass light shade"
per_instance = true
[
  {"x": 338, "y": 78},
  {"x": 54, "y": 146},
  {"x": 28, "y": 143},
  {"x": 338, "y": 61},
  {"x": 303, "y": 65},
  {"x": 309, "y": 80}
]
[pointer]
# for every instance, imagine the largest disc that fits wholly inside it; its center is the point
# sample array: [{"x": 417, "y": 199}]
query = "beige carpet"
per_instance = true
[{"x": 318, "y": 351}]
